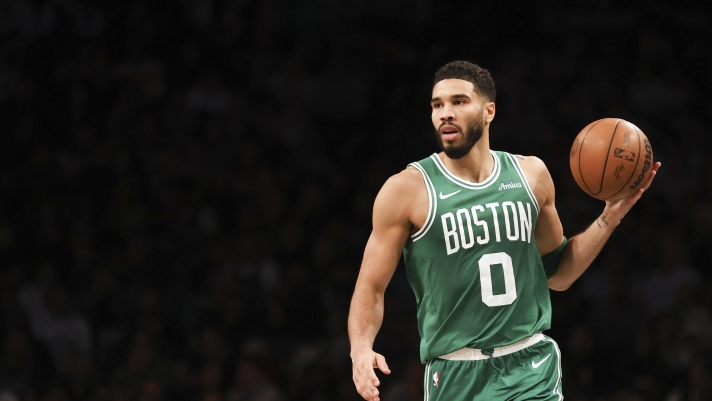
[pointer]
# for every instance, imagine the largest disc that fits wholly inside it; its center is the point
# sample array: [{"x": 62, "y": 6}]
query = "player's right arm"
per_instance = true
[{"x": 392, "y": 224}]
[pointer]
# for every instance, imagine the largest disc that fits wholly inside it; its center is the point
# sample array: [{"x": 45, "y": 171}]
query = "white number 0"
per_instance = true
[{"x": 510, "y": 294}]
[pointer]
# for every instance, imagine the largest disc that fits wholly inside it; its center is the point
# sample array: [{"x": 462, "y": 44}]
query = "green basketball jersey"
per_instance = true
[{"x": 474, "y": 265}]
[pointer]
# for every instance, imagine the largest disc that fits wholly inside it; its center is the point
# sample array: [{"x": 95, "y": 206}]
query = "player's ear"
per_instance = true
[{"x": 489, "y": 110}]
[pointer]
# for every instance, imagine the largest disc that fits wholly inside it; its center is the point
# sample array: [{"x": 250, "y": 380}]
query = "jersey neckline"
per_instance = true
[{"x": 467, "y": 184}]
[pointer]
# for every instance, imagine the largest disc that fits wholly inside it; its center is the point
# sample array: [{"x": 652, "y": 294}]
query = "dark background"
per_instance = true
[{"x": 186, "y": 188}]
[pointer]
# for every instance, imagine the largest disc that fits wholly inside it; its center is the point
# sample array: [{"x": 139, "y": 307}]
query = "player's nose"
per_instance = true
[{"x": 447, "y": 113}]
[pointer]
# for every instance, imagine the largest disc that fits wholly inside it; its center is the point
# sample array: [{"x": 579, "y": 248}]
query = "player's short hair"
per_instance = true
[{"x": 480, "y": 77}]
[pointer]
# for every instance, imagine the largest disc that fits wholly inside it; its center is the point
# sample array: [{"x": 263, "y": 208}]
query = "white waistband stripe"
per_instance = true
[{"x": 474, "y": 354}]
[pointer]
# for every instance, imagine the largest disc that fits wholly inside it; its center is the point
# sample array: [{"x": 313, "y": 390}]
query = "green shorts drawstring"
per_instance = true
[{"x": 489, "y": 352}]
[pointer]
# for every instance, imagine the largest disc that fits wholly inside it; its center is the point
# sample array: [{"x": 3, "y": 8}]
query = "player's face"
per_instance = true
[{"x": 455, "y": 105}]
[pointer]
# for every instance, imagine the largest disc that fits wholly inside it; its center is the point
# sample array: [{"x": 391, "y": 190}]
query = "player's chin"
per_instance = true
[
  {"x": 451, "y": 143},
  {"x": 452, "y": 148}
]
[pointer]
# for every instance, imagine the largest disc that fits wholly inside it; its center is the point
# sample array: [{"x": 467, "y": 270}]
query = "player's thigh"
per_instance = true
[
  {"x": 533, "y": 373},
  {"x": 456, "y": 380}
]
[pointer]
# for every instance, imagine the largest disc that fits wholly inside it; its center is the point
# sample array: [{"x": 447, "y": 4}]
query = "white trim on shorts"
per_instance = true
[
  {"x": 474, "y": 354},
  {"x": 426, "y": 384},
  {"x": 557, "y": 387}
]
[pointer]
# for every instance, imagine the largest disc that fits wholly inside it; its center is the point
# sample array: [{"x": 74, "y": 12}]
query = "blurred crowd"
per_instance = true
[{"x": 186, "y": 188}]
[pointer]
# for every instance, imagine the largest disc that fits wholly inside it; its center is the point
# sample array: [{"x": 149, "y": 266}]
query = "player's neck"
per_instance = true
[{"x": 476, "y": 166}]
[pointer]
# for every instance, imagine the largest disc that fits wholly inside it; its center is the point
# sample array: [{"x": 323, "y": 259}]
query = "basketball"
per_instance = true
[{"x": 611, "y": 159}]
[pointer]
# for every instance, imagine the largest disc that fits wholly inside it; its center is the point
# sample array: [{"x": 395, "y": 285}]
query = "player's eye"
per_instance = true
[{"x": 436, "y": 105}]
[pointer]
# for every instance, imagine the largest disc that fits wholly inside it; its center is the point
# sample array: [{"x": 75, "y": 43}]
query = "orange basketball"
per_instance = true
[{"x": 611, "y": 159}]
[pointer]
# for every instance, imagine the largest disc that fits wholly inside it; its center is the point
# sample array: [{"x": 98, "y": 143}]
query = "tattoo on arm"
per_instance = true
[{"x": 602, "y": 218}]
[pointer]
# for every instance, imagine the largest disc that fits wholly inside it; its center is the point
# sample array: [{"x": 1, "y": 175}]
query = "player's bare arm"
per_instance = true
[
  {"x": 582, "y": 249},
  {"x": 549, "y": 232},
  {"x": 399, "y": 210}
]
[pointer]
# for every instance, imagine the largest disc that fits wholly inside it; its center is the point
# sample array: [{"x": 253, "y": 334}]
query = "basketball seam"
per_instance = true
[
  {"x": 579, "y": 156},
  {"x": 605, "y": 164},
  {"x": 637, "y": 161}
]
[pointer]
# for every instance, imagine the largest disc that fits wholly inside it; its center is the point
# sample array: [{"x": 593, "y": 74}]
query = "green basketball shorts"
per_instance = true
[{"x": 527, "y": 370}]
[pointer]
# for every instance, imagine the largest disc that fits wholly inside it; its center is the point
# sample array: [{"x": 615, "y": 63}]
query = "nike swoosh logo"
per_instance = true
[
  {"x": 536, "y": 365},
  {"x": 448, "y": 195}
]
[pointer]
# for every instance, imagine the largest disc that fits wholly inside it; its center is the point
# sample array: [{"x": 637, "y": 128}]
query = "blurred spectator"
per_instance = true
[
  {"x": 51, "y": 317},
  {"x": 251, "y": 384},
  {"x": 673, "y": 274}
]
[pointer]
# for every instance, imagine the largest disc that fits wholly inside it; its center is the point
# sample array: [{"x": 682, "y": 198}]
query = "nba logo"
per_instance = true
[{"x": 436, "y": 379}]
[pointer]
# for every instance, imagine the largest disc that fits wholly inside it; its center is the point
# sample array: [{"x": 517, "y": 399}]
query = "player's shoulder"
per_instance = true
[
  {"x": 537, "y": 174},
  {"x": 398, "y": 195},
  {"x": 531, "y": 164},
  {"x": 405, "y": 182}
]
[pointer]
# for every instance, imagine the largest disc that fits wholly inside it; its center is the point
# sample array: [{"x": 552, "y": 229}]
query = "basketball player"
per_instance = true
[{"x": 482, "y": 244}]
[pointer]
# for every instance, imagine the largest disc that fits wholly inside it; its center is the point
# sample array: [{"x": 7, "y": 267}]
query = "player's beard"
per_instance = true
[{"x": 471, "y": 136}]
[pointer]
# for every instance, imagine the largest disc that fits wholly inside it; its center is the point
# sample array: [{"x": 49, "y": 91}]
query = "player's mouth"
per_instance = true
[{"x": 448, "y": 132}]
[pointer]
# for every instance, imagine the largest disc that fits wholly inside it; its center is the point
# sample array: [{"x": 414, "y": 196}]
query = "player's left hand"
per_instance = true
[{"x": 616, "y": 210}]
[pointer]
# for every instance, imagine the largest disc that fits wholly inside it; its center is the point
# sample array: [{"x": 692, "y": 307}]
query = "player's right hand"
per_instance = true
[{"x": 364, "y": 364}]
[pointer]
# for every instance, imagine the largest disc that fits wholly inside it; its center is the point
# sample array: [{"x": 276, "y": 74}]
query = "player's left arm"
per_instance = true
[
  {"x": 549, "y": 232},
  {"x": 580, "y": 251}
]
